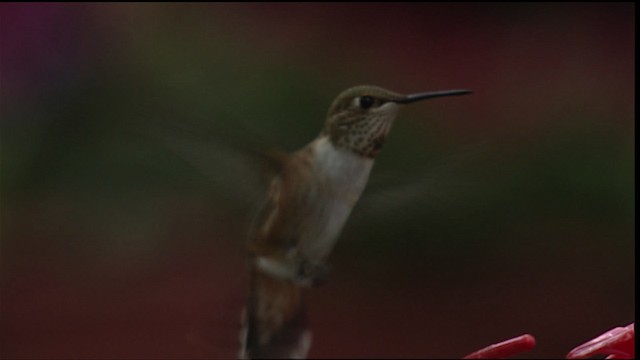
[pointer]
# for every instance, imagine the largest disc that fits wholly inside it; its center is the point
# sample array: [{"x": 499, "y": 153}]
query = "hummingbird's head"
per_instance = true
[{"x": 361, "y": 117}]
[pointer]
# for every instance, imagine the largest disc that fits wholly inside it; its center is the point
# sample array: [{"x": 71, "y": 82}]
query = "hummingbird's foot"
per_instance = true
[
  {"x": 277, "y": 268},
  {"x": 312, "y": 274},
  {"x": 295, "y": 268}
]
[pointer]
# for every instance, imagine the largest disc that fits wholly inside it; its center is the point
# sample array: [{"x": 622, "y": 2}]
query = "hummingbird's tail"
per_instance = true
[{"x": 274, "y": 322}]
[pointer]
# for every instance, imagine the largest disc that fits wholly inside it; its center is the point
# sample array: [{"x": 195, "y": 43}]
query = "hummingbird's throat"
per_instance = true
[{"x": 365, "y": 137}]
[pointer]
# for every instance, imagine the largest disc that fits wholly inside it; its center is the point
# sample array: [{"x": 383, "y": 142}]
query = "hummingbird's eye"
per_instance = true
[{"x": 366, "y": 102}]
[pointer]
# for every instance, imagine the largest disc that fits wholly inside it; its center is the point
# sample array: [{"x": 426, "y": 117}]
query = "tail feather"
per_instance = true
[{"x": 275, "y": 323}]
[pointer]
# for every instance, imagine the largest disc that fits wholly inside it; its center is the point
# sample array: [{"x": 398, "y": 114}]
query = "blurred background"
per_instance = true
[{"x": 127, "y": 180}]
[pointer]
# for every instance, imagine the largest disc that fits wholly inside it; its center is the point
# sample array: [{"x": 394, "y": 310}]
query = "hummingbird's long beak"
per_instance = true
[{"x": 432, "y": 94}]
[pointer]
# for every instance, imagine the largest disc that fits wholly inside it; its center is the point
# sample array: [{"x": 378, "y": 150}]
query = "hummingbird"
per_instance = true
[{"x": 308, "y": 203}]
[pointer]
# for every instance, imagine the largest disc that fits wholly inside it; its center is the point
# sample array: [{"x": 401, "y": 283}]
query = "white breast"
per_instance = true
[
  {"x": 348, "y": 171},
  {"x": 344, "y": 175}
]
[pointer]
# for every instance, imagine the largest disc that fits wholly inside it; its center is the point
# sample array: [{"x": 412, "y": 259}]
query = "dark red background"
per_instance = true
[{"x": 113, "y": 247}]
